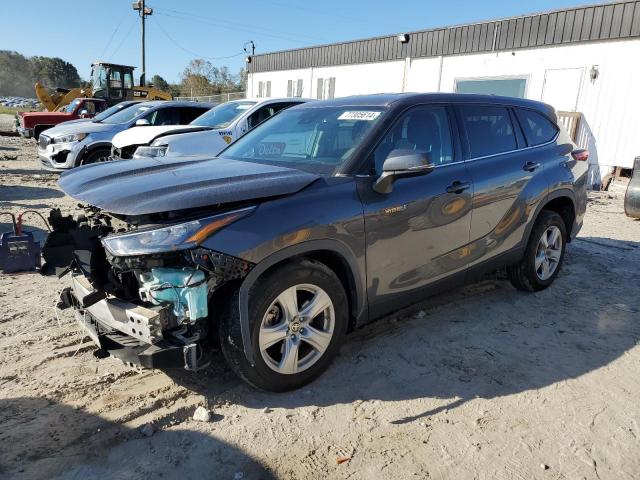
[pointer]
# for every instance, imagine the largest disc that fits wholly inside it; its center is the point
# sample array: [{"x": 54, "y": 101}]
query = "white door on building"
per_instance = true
[{"x": 562, "y": 87}]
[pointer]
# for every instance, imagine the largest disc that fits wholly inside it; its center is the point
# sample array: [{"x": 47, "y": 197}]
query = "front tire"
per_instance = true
[
  {"x": 299, "y": 316},
  {"x": 543, "y": 256},
  {"x": 96, "y": 156}
]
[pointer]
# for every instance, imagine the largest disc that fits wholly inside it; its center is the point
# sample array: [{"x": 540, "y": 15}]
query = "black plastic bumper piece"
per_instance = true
[{"x": 162, "y": 355}]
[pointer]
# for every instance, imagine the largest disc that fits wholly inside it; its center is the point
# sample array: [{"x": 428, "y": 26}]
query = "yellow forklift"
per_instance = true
[{"x": 109, "y": 81}]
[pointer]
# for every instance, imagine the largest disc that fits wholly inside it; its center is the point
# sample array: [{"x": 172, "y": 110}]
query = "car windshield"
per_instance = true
[
  {"x": 317, "y": 140},
  {"x": 221, "y": 116},
  {"x": 111, "y": 110},
  {"x": 72, "y": 106},
  {"x": 126, "y": 115}
]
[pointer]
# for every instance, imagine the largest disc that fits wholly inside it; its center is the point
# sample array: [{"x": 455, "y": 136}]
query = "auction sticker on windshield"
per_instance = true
[
  {"x": 271, "y": 149},
  {"x": 359, "y": 115}
]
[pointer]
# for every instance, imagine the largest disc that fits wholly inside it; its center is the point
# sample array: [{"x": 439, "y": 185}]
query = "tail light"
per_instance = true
[{"x": 581, "y": 155}]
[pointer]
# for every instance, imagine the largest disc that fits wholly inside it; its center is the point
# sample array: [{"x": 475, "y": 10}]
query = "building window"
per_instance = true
[
  {"x": 264, "y": 89},
  {"x": 509, "y": 87},
  {"x": 295, "y": 88},
  {"x": 326, "y": 88}
]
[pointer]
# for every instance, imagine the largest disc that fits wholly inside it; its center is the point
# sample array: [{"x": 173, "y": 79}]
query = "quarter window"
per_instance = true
[
  {"x": 537, "y": 129},
  {"x": 423, "y": 129},
  {"x": 489, "y": 130}
]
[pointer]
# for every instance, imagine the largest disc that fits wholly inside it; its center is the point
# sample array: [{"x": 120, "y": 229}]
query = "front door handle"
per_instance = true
[
  {"x": 531, "y": 166},
  {"x": 458, "y": 187}
]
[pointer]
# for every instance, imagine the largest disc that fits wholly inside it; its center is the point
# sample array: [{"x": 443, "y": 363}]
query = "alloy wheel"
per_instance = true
[
  {"x": 296, "y": 329},
  {"x": 548, "y": 253}
]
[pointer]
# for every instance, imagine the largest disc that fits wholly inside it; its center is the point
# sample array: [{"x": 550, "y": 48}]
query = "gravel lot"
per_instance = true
[{"x": 483, "y": 383}]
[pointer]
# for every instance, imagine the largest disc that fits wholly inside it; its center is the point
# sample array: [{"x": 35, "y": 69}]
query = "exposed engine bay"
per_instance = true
[{"x": 148, "y": 309}]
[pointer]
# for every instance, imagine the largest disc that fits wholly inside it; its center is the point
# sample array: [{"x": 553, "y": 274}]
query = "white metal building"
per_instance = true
[{"x": 583, "y": 60}]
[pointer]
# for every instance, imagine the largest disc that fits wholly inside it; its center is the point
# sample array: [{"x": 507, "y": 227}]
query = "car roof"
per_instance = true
[
  {"x": 178, "y": 103},
  {"x": 260, "y": 101},
  {"x": 389, "y": 99}
]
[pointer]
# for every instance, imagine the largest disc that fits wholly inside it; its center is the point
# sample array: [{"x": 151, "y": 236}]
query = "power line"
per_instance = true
[
  {"x": 166, "y": 34},
  {"x": 236, "y": 26},
  {"x": 115, "y": 30},
  {"x": 123, "y": 40}
]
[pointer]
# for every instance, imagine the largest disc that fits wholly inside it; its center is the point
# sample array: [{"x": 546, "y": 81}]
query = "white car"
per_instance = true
[{"x": 208, "y": 134}]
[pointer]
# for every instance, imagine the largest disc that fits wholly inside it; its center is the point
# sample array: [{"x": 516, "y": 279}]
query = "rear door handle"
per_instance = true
[
  {"x": 531, "y": 166},
  {"x": 458, "y": 187}
]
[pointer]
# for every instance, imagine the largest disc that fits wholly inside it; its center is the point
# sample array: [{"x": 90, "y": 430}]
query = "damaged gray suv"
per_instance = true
[{"x": 327, "y": 216}]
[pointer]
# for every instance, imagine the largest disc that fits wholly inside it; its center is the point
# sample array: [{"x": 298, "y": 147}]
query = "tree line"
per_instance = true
[
  {"x": 201, "y": 77},
  {"x": 18, "y": 74}
]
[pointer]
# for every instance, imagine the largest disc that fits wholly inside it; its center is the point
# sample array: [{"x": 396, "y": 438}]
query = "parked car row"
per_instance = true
[
  {"x": 273, "y": 231},
  {"x": 19, "y": 102},
  {"x": 135, "y": 129}
]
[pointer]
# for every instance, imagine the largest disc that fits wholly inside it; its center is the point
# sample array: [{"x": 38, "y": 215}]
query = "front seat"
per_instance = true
[{"x": 423, "y": 134}]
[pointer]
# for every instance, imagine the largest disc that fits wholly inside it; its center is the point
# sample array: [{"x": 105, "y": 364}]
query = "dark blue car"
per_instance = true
[{"x": 327, "y": 216}]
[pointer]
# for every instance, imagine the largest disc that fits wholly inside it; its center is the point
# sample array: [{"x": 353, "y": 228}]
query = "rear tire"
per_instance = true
[
  {"x": 290, "y": 348},
  {"x": 543, "y": 255}
]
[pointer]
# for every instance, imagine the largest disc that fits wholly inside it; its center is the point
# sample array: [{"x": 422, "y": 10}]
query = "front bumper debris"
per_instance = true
[
  {"x": 148, "y": 310},
  {"x": 130, "y": 332},
  {"x": 141, "y": 323}
]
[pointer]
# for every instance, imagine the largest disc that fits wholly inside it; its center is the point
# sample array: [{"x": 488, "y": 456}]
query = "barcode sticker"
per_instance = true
[{"x": 359, "y": 115}]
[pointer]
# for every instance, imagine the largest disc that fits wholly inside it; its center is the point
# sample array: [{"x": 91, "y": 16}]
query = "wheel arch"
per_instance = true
[
  {"x": 563, "y": 203},
  {"x": 331, "y": 253},
  {"x": 89, "y": 149}
]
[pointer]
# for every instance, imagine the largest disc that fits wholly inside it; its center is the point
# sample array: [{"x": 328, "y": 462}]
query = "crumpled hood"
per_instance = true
[
  {"x": 153, "y": 185},
  {"x": 145, "y": 135}
]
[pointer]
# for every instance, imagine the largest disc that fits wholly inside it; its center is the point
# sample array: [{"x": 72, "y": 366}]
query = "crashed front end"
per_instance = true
[{"x": 142, "y": 290}]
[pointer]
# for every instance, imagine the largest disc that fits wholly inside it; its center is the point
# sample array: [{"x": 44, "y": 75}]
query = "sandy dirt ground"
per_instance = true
[{"x": 483, "y": 383}]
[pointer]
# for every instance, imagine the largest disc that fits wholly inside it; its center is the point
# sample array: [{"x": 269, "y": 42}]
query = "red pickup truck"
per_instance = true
[{"x": 31, "y": 124}]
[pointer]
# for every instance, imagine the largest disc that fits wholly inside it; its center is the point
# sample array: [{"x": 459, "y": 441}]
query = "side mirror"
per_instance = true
[
  {"x": 402, "y": 163},
  {"x": 83, "y": 113},
  {"x": 142, "y": 122}
]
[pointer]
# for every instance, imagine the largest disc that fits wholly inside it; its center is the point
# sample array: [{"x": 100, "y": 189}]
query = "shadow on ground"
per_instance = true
[
  {"x": 42, "y": 439},
  {"x": 486, "y": 340},
  {"x": 30, "y": 171},
  {"x": 9, "y": 193}
]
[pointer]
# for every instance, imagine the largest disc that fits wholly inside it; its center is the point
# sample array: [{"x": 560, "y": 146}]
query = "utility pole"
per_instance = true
[
  {"x": 144, "y": 12},
  {"x": 253, "y": 47}
]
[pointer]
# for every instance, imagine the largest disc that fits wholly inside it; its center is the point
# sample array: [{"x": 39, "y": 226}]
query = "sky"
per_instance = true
[{"x": 109, "y": 30}]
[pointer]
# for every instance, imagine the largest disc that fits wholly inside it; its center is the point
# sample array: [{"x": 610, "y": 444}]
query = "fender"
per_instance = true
[
  {"x": 290, "y": 252},
  {"x": 561, "y": 192},
  {"x": 89, "y": 148}
]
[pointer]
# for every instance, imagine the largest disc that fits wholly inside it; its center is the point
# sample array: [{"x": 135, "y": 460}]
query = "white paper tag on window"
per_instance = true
[{"x": 359, "y": 115}]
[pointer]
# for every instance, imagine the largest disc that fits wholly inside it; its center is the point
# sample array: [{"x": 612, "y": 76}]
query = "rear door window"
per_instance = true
[
  {"x": 537, "y": 128},
  {"x": 165, "y": 116},
  {"x": 489, "y": 130},
  {"x": 189, "y": 114}
]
